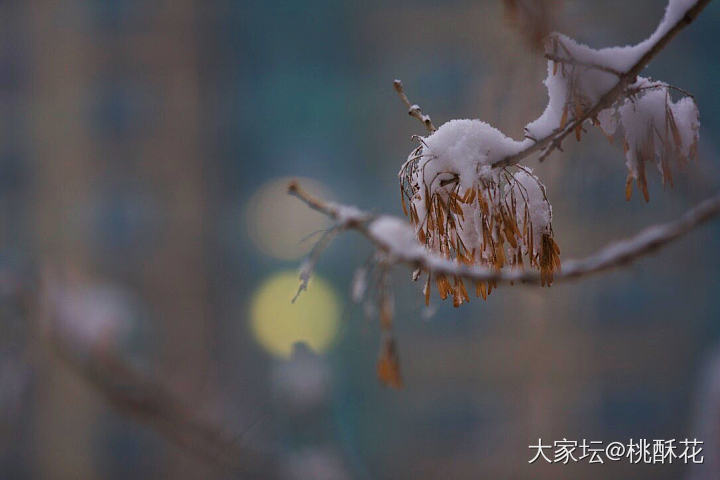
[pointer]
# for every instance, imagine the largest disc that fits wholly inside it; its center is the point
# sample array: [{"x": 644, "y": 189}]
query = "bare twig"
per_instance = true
[
  {"x": 627, "y": 78},
  {"x": 414, "y": 110},
  {"x": 617, "y": 254}
]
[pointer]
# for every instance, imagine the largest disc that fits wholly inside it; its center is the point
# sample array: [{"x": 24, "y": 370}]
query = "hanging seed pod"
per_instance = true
[
  {"x": 388, "y": 366},
  {"x": 476, "y": 216}
]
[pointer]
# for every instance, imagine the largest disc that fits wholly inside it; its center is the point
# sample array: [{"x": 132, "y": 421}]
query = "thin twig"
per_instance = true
[
  {"x": 611, "y": 95},
  {"x": 344, "y": 214},
  {"x": 414, "y": 110},
  {"x": 308, "y": 265},
  {"x": 634, "y": 91},
  {"x": 617, "y": 254},
  {"x": 572, "y": 61}
]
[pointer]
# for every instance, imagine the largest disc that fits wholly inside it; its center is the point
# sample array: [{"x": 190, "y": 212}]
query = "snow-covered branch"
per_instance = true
[
  {"x": 395, "y": 240},
  {"x": 629, "y": 60}
]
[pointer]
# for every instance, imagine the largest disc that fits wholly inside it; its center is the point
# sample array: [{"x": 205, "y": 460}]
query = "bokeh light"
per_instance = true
[
  {"x": 277, "y": 323},
  {"x": 277, "y": 223}
]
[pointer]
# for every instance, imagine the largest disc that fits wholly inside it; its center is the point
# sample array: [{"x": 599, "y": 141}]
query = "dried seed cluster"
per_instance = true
[
  {"x": 655, "y": 129},
  {"x": 500, "y": 218}
]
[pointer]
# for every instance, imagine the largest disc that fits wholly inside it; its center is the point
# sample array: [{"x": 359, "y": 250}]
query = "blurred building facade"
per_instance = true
[
  {"x": 135, "y": 133},
  {"x": 118, "y": 195}
]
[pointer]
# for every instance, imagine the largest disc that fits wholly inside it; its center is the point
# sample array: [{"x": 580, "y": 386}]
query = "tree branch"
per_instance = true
[
  {"x": 627, "y": 78},
  {"x": 617, "y": 254}
]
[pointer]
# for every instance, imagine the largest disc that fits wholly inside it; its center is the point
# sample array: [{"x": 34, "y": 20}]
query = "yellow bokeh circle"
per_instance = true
[{"x": 277, "y": 323}]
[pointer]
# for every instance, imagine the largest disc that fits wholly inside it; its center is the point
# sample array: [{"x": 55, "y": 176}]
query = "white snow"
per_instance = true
[
  {"x": 467, "y": 148},
  {"x": 463, "y": 148},
  {"x": 608, "y": 121},
  {"x": 687, "y": 116},
  {"x": 345, "y": 214},
  {"x": 396, "y": 236}
]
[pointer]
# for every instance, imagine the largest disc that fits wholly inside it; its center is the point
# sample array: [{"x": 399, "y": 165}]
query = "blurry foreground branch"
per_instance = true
[{"x": 145, "y": 399}]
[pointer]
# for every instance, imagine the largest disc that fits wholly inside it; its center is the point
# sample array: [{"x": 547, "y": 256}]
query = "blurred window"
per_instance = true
[
  {"x": 121, "y": 110},
  {"x": 118, "y": 15}
]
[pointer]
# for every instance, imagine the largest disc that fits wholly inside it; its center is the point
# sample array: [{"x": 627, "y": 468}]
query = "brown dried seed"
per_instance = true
[
  {"x": 628, "y": 187},
  {"x": 443, "y": 286},
  {"x": 457, "y": 299},
  {"x": 469, "y": 196},
  {"x": 481, "y": 290},
  {"x": 463, "y": 292},
  {"x": 402, "y": 200},
  {"x": 641, "y": 180},
  {"x": 427, "y": 290},
  {"x": 673, "y": 127},
  {"x": 388, "y": 366}
]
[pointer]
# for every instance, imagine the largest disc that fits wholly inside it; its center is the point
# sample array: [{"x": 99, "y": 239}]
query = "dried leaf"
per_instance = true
[{"x": 563, "y": 119}]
